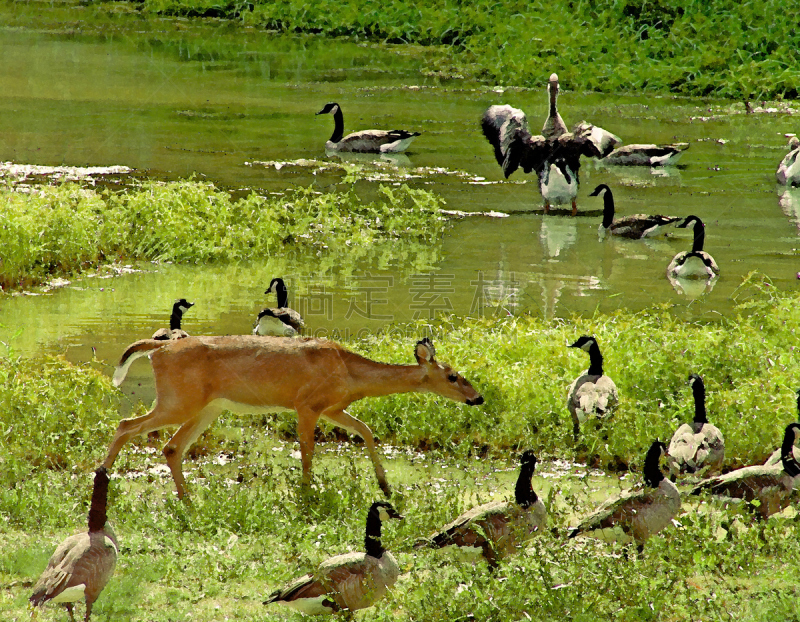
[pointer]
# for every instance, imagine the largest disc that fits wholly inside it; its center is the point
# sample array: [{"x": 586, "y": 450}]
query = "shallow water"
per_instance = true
[{"x": 174, "y": 98}]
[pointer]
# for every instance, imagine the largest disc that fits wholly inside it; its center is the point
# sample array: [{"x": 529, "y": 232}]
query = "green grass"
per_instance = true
[
  {"x": 664, "y": 46},
  {"x": 61, "y": 230},
  {"x": 249, "y": 529}
]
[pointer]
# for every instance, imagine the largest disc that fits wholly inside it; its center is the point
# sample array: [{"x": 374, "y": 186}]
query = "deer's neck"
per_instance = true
[{"x": 371, "y": 379}]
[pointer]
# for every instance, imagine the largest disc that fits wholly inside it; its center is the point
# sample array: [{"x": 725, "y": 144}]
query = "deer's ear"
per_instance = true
[{"x": 424, "y": 351}]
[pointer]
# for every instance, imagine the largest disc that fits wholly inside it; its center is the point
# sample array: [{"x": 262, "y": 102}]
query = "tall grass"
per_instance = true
[
  {"x": 605, "y": 45},
  {"x": 54, "y": 231}
]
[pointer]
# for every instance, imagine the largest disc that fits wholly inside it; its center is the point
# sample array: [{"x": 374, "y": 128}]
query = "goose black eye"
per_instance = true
[{"x": 452, "y": 377}]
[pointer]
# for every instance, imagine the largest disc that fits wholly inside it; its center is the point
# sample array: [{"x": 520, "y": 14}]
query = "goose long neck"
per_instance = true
[
  {"x": 372, "y": 539},
  {"x": 338, "y": 125},
  {"x": 552, "y": 89},
  {"x": 790, "y": 465},
  {"x": 595, "y": 360},
  {"x": 652, "y": 472},
  {"x": 608, "y": 208},
  {"x": 699, "y": 238},
  {"x": 97, "y": 511},
  {"x": 524, "y": 494},
  {"x": 175, "y": 318},
  {"x": 283, "y": 297},
  {"x": 699, "y": 403}
]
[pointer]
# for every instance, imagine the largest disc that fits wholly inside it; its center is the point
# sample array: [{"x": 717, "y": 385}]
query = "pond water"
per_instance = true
[{"x": 173, "y": 98}]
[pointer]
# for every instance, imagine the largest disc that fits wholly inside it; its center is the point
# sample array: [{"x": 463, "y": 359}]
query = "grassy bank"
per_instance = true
[
  {"x": 248, "y": 529},
  {"x": 61, "y": 230},
  {"x": 666, "y": 46}
]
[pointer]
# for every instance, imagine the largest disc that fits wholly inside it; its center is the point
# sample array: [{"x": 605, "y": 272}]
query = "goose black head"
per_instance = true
[
  {"x": 183, "y": 305},
  {"x": 602, "y": 187},
  {"x": 584, "y": 342},
  {"x": 691, "y": 222},
  {"x": 329, "y": 108},
  {"x": 384, "y": 510},
  {"x": 280, "y": 286}
]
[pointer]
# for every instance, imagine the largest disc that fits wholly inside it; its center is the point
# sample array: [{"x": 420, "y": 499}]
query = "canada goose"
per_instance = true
[
  {"x": 591, "y": 393},
  {"x": 83, "y": 563},
  {"x": 775, "y": 458},
  {"x": 770, "y": 487},
  {"x": 280, "y": 321},
  {"x": 174, "y": 331},
  {"x": 646, "y": 155},
  {"x": 350, "y": 581},
  {"x": 695, "y": 263},
  {"x": 788, "y": 173},
  {"x": 366, "y": 141},
  {"x": 554, "y": 155},
  {"x": 500, "y": 527},
  {"x": 698, "y": 446},
  {"x": 635, "y": 515},
  {"x": 634, "y": 227}
]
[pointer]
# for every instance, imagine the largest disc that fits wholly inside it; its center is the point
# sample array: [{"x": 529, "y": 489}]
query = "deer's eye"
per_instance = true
[{"x": 452, "y": 377}]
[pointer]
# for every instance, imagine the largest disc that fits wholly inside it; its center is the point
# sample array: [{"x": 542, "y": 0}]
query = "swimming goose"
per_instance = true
[
  {"x": 498, "y": 528},
  {"x": 82, "y": 564},
  {"x": 698, "y": 446},
  {"x": 788, "y": 173},
  {"x": 350, "y": 581},
  {"x": 366, "y": 141},
  {"x": 174, "y": 331},
  {"x": 775, "y": 458},
  {"x": 646, "y": 155},
  {"x": 635, "y": 515},
  {"x": 554, "y": 155},
  {"x": 771, "y": 487},
  {"x": 591, "y": 393},
  {"x": 280, "y": 321},
  {"x": 695, "y": 263},
  {"x": 634, "y": 227}
]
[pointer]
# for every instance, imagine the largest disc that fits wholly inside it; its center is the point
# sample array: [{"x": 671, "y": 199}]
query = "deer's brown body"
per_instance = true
[{"x": 196, "y": 378}]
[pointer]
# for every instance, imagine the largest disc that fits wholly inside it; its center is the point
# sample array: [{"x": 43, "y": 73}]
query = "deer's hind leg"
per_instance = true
[
  {"x": 356, "y": 426},
  {"x": 156, "y": 419},
  {"x": 187, "y": 434}
]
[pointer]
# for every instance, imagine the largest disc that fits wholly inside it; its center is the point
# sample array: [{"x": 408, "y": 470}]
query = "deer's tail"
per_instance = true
[{"x": 136, "y": 350}]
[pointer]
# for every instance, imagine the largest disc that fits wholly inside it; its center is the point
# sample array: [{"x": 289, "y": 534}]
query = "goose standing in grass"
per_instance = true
[
  {"x": 501, "y": 527},
  {"x": 591, "y": 393},
  {"x": 175, "y": 331},
  {"x": 767, "y": 488},
  {"x": 695, "y": 263},
  {"x": 788, "y": 173},
  {"x": 646, "y": 155},
  {"x": 365, "y": 141},
  {"x": 554, "y": 155},
  {"x": 775, "y": 458},
  {"x": 280, "y": 321},
  {"x": 350, "y": 581},
  {"x": 82, "y": 564},
  {"x": 699, "y": 447},
  {"x": 634, "y": 227},
  {"x": 635, "y": 515}
]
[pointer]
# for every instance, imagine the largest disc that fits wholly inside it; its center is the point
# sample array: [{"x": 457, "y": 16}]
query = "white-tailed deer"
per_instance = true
[{"x": 198, "y": 377}]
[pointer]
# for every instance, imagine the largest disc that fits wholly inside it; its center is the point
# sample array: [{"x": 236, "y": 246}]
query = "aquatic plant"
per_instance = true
[{"x": 55, "y": 231}]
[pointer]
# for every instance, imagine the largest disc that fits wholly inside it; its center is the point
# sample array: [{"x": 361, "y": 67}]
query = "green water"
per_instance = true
[{"x": 174, "y": 98}]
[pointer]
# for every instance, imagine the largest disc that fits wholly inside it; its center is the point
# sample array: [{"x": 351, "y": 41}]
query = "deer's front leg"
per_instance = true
[
  {"x": 356, "y": 426},
  {"x": 306, "y": 425}
]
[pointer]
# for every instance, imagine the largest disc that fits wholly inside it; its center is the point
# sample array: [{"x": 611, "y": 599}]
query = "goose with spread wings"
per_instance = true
[{"x": 554, "y": 155}]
